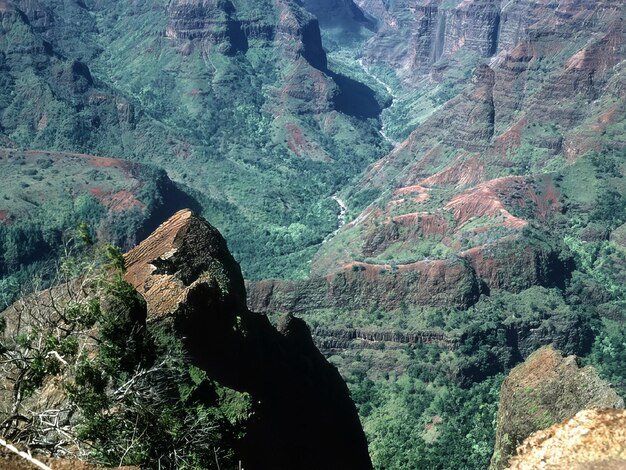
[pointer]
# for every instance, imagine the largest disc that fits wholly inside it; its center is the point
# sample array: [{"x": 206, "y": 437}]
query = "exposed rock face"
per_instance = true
[
  {"x": 210, "y": 20},
  {"x": 306, "y": 418},
  {"x": 435, "y": 29},
  {"x": 39, "y": 16},
  {"x": 475, "y": 25},
  {"x": 192, "y": 250},
  {"x": 593, "y": 439},
  {"x": 362, "y": 285},
  {"x": 546, "y": 389},
  {"x": 215, "y": 23},
  {"x": 298, "y": 34},
  {"x": 552, "y": 90},
  {"x": 471, "y": 124}
]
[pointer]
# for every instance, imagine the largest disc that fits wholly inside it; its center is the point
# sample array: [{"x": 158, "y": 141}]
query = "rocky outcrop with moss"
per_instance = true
[
  {"x": 154, "y": 359},
  {"x": 546, "y": 389},
  {"x": 361, "y": 285}
]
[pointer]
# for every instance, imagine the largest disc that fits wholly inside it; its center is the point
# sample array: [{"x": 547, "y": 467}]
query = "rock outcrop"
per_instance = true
[
  {"x": 546, "y": 389},
  {"x": 437, "y": 29},
  {"x": 208, "y": 20},
  {"x": 471, "y": 125},
  {"x": 433, "y": 31},
  {"x": 306, "y": 418},
  {"x": 214, "y": 23},
  {"x": 362, "y": 285},
  {"x": 471, "y": 179},
  {"x": 132, "y": 199},
  {"x": 593, "y": 439},
  {"x": 331, "y": 340}
]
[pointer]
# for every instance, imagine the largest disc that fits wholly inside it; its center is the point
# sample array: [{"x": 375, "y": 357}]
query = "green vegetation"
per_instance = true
[
  {"x": 420, "y": 425},
  {"x": 430, "y": 407},
  {"x": 402, "y": 394},
  {"x": 126, "y": 392},
  {"x": 46, "y": 194},
  {"x": 608, "y": 354},
  {"x": 246, "y": 133},
  {"x": 258, "y": 135}
]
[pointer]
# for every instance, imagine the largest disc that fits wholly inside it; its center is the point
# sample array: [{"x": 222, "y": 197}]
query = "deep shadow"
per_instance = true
[
  {"x": 238, "y": 38},
  {"x": 355, "y": 98},
  {"x": 173, "y": 199},
  {"x": 314, "y": 52}
]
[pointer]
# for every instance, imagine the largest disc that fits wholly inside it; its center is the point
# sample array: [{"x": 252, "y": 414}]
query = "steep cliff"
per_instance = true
[
  {"x": 209, "y": 24},
  {"x": 209, "y": 21},
  {"x": 416, "y": 35},
  {"x": 122, "y": 202},
  {"x": 181, "y": 349},
  {"x": 481, "y": 176},
  {"x": 363, "y": 285},
  {"x": 306, "y": 418},
  {"x": 546, "y": 389}
]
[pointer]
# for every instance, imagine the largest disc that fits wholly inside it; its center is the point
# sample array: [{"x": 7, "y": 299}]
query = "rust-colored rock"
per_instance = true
[
  {"x": 363, "y": 285},
  {"x": 546, "y": 389},
  {"x": 181, "y": 254},
  {"x": 591, "y": 440}
]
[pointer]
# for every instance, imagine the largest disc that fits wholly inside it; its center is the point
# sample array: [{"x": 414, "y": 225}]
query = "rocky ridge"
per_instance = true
[
  {"x": 361, "y": 285},
  {"x": 190, "y": 280},
  {"x": 77, "y": 65},
  {"x": 210, "y": 23},
  {"x": 301, "y": 411},
  {"x": 122, "y": 201},
  {"x": 470, "y": 181},
  {"x": 546, "y": 389},
  {"x": 414, "y": 36}
]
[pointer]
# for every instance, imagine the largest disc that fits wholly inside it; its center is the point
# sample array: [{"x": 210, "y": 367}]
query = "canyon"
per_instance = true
[{"x": 423, "y": 201}]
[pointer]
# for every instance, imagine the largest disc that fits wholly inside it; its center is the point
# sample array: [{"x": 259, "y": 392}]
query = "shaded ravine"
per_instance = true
[{"x": 390, "y": 92}]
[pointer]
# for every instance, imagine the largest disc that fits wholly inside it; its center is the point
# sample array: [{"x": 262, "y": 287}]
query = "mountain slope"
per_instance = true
[
  {"x": 510, "y": 169},
  {"x": 235, "y": 101},
  {"x": 483, "y": 171},
  {"x": 46, "y": 195},
  {"x": 170, "y": 368}
]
